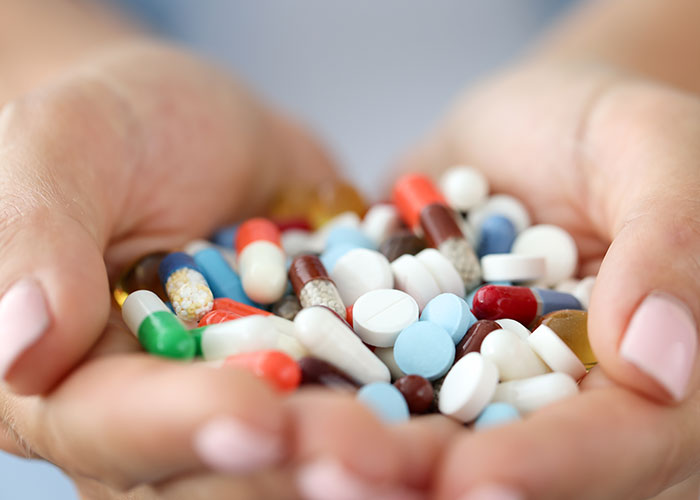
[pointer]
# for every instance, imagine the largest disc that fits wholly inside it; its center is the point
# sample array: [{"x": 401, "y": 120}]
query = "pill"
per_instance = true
[
  {"x": 332, "y": 255},
  {"x": 216, "y": 316},
  {"x": 238, "y": 308},
  {"x": 497, "y": 235},
  {"x": 583, "y": 291},
  {"x": 345, "y": 219},
  {"x": 298, "y": 241},
  {"x": 468, "y": 387},
  {"x": 156, "y": 327},
  {"x": 349, "y": 236},
  {"x": 514, "y": 326},
  {"x": 261, "y": 260},
  {"x": 411, "y": 194},
  {"x": 464, "y": 187},
  {"x": 424, "y": 349},
  {"x": 328, "y": 337},
  {"x": 555, "y": 352},
  {"x": 412, "y": 277},
  {"x": 287, "y": 307},
  {"x": 378, "y": 316},
  {"x": 512, "y": 355},
  {"x": 142, "y": 275},
  {"x": 496, "y": 414},
  {"x": 401, "y": 243},
  {"x": 530, "y": 394},
  {"x": 380, "y": 222},
  {"x": 385, "y": 400},
  {"x": 360, "y": 271},
  {"x": 225, "y": 235},
  {"x": 471, "y": 342},
  {"x": 511, "y": 267},
  {"x": 386, "y": 355},
  {"x": 313, "y": 286},
  {"x": 332, "y": 198},
  {"x": 504, "y": 205},
  {"x": 572, "y": 327},
  {"x": 315, "y": 371},
  {"x": 223, "y": 281},
  {"x": 554, "y": 244},
  {"x": 442, "y": 232},
  {"x": 417, "y": 391},
  {"x": 185, "y": 286},
  {"x": 275, "y": 367},
  {"x": 519, "y": 303},
  {"x": 450, "y": 312},
  {"x": 444, "y": 273}
]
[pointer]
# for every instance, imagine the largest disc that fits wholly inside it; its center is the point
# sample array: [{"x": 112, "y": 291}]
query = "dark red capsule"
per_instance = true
[
  {"x": 400, "y": 243},
  {"x": 315, "y": 371},
  {"x": 471, "y": 342},
  {"x": 498, "y": 302},
  {"x": 417, "y": 391}
]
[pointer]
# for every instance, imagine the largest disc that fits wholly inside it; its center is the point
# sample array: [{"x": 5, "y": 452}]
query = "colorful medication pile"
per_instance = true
[{"x": 447, "y": 292}]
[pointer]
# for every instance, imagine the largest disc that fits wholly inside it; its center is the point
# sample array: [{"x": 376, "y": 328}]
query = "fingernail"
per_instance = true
[
  {"x": 493, "y": 492},
  {"x": 661, "y": 340},
  {"x": 229, "y": 446},
  {"x": 24, "y": 317},
  {"x": 328, "y": 478}
]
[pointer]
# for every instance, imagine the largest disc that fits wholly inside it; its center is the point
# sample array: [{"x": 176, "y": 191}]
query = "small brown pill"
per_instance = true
[
  {"x": 315, "y": 371},
  {"x": 475, "y": 336},
  {"x": 417, "y": 391},
  {"x": 400, "y": 243}
]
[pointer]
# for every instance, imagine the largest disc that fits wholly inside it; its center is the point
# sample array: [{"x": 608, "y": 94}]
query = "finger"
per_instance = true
[{"x": 540, "y": 457}]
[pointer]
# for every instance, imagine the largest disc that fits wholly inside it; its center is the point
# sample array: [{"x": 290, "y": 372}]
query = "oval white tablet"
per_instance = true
[
  {"x": 468, "y": 387},
  {"x": 500, "y": 204},
  {"x": 515, "y": 327},
  {"x": 558, "y": 356},
  {"x": 359, "y": 271},
  {"x": 554, "y": 244},
  {"x": 263, "y": 271},
  {"x": 414, "y": 278},
  {"x": 379, "y": 316},
  {"x": 380, "y": 221},
  {"x": 512, "y": 356},
  {"x": 512, "y": 267},
  {"x": 531, "y": 394},
  {"x": 443, "y": 271},
  {"x": 464, "y": 187}
]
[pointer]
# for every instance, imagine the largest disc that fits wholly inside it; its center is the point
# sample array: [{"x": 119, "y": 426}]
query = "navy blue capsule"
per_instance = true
[{"x": 497, "y": 235}]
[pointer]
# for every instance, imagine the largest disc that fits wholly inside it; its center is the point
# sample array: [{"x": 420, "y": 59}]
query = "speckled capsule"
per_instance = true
[
  {"x": 313, "y": 286},
  {"x": 185, "y": 286}
]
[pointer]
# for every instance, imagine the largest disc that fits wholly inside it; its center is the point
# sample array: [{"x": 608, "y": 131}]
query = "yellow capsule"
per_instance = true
[
  {"x": 142, "y": 275},
  {"x": 333, "y": 198},
  {"x": 572, "y": 327},
  {"x": 292, "y": 203}
]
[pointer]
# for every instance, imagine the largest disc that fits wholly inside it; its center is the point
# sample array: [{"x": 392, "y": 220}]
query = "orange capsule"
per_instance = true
[
  {"x": 280, "y": 370},
  {"x": 257, "y": 229},
  {"x": 217, "y": 316},
  {"x": 348, "y": 314},
  {"x": 237, "y": 308},
  {"x": 412, "y": 193}
]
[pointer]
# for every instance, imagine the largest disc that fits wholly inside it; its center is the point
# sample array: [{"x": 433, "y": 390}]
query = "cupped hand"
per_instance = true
[
  {"x": 614, "y": 160},
  {"x": 140, "y": 149}
]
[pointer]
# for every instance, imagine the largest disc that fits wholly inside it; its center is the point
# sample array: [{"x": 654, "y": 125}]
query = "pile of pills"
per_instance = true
[{"x": 447, "y": 292}]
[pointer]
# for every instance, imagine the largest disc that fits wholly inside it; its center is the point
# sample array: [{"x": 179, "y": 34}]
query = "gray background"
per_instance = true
[{"x": 369, "y": 76}]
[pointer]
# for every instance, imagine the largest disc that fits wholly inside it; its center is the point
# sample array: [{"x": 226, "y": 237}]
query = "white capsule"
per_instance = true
[
  {"x": 331, "y": 339},
  {"x": 583, "y": 290},
  {"x": 380, "y": 222},
  {"x": 442, "y": 270},
  {"x": 515, "y": 327},
  {"x": 555, "y": 245},
  {"x": 380, "y": 315},
  {"x": 512, "y": 355},
  {"x": 530, "y": 394},
  {"x": 360, "y": 271},
  {"x": 263, "y": 271},
  {"x": 500, "y": 204},
  {"x": 511, "y": 267},
  {"x": 138, "y": 306},
  {"x": 247, "y": 334},
  {"x": 464, "y": 187},
  {"x": 468, "y": 387},
  {"x": 386, "y": 354},
  {"x": 412, "y": 277},
  {"x": 558, "y": 356}
]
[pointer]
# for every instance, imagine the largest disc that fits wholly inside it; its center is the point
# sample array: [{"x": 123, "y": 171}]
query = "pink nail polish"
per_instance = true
[
  {"x": 229, "y": 446},
  {"x": 24, "y": 317},
  {"x": 661, "y": 340},
  {"x": 493, "y": 492}
]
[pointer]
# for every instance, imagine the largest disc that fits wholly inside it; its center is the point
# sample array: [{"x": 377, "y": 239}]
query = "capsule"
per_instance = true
[
  {"x": 277, "y": 368},
  {"x": 523, "y": 304},
  {"x": 315, "y": 371},
  {"x": 216, "y": 316},
  {"x": 411, "y": 194},
  {"x": 156, "y": 327},
  {"x": 572, "y": 327},
  {"x": 222, "y": 279},
  {"x": 238, "y": 308},
  {"x": 261, "y": 260},
  {"x": 142, "y": 275},
  {"x": 313, "y": 286},
  {"x": 185, "y": 286},
  {"x": 401, "y": 242}
]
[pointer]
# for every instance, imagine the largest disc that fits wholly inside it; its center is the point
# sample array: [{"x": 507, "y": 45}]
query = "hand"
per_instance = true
[
  {"x": 141, "y": 149},
  {"x": 614, "y": 160}
]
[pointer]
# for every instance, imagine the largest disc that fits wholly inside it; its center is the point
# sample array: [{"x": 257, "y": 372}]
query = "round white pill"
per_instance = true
[
  {"x": 558, "y": 356},
  {"x": 500, "y": 204},
  {"x": 379, "y": 316},
  {"x": 412, "y": 277},
  {"x": 468, "y": 387},
  {"x": 512, "y": 267},
  {"x": 515, "y": 327},
  {"x": 444, "y": 272},
  {"x": 380, "y": 222},
  {"x": 359, "y": 271},
  {"x": 512, "y": 355},
  {"x": 554, "y": 244},
  {"x": 464, "y": 187},
  {"x": 530, "y": 394}
]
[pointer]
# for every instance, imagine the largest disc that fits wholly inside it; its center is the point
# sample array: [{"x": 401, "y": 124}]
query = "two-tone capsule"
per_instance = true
[
  {"x": 261, "y": 260},
  {"x": 186, "y": 287},
  {"x": 313, "y": 286}
]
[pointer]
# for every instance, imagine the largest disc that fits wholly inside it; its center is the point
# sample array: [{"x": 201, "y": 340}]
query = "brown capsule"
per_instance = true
[
  {"x": 313, "y": 286},
  {"x": 471, "y": 342},
  {"x": 572, "y": 327},
  {"x": 400, "y": 243},
  {"x": 417, "y": 391},
  {"x": 315, "y": 371},
  {"x": 439, "y": 225},
  {"x": 142, "y": 275},
  {"x": 306, "y": 268}
]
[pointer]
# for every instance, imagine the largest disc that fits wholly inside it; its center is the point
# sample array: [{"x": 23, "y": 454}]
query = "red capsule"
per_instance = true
[
  {"x": 471, "y": 342},
  {"x": 238, "y": 308},
  {"x": 315, "y": 371},
  {"x": 497, "y": 302},
  {"x": 412, "y": 193},
  {"x": 280, "y": 370},
  {"x": 439, "y": 225},
  {"x": 217, "y": 316}
]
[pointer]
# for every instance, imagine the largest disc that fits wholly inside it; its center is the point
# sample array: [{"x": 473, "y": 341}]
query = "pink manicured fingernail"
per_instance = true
[
  {"x": 229, "y": 446},
  {"x": 493, "y": 492},
  {"x": 24, "y": 317},
  {"x": 328, "y": 478},
  {"x": 661, "y": 340}
]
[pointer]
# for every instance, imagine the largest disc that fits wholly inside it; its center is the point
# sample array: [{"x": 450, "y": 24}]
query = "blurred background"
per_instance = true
[{"x": 369, "y": 77}]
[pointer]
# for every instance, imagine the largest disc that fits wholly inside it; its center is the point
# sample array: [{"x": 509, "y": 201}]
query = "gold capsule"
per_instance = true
[
  {"x": 572, "y": 327},
  {"x": 142, "y": 275},
  {"x": 334, "y": 198}
]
